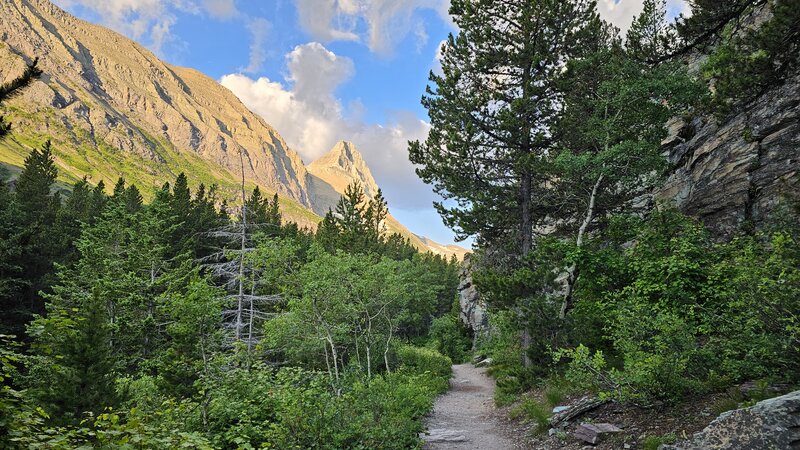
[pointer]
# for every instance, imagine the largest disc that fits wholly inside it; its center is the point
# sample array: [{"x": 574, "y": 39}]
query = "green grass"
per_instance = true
[
  {"x": 534, "y": 411},
  {"x": 653, "y": 442},
  {"x": 79, "y": 154}
]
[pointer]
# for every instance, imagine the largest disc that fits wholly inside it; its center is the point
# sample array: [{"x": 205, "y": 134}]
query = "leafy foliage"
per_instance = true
[{"x": 131, "y": 349}]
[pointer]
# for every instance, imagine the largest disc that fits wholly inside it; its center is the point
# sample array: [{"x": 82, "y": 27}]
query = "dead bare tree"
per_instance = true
[{"x": 232, "y": 269}]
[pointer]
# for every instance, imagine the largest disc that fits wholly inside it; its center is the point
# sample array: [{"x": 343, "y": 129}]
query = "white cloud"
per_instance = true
[
  {"x": 221, "y": 9},
  {"x": 259, "y": 30},
  {"x": 150, "y": 20},
  {"x": 311, "y": 119},
  {"x": 380, "y": 24},
  {"x": 622, "y": 12}
]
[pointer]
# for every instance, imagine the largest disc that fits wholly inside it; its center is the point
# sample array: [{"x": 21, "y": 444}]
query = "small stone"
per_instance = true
[
  {"x": 552, "y": 432},
  {"x": 559, "y": 409},
  {"x": 485, "y": 362},
  {"x": 442, "y": 435},
  {"x": 593, "y": 432}
]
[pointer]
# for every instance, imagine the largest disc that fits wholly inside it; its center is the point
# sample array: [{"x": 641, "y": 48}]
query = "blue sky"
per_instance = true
[{"x": 318, "y": 71}]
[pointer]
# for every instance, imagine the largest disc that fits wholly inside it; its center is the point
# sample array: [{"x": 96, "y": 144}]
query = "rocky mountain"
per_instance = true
[
  {"x": 342, "y": 165},
  {"x": 330, "y": 175},
  {"x": 111, "y": 108},
  {"x": 104, "y": 91}
]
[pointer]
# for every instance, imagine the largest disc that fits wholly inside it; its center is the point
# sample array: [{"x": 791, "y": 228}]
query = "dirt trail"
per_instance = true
[{"x": 465, "y": 417}]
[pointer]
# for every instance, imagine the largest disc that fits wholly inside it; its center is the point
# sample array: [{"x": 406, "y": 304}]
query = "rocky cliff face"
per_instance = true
[
  {"x": 735, "y": 172},
  {"x": 342, "y": 165},
  {"x": 330, "y": 175},
  {"x": 104, "y": 90},
  {"x": 472, "y": 308}
]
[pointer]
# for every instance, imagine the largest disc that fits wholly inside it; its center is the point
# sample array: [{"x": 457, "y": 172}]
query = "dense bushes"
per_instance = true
[
  {"x": 448, "y": 336},
  {"x": 423, "y": 360},
  {"x": 159, "y": 331},
  {"x": 693, "y": 315}
]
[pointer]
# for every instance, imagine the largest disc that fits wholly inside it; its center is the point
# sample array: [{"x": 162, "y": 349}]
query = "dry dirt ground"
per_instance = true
[{"x": 466, "y": 418}]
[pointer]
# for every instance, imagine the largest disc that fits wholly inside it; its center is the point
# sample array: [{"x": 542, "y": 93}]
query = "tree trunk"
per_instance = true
[
  {"x": 572, "y": 271},
  {"x": 251, "y": 318},
  {"x": 241, "y": 256},
  {"x": 368, "y": 340},
  {"x": 526, "y": 222},
  {"x": 388, "y": 344},
  {"x": 335, "y": 358},
  {"x": 327, "y": 359}
]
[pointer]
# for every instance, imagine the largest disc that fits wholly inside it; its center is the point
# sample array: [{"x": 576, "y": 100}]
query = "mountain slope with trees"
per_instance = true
[{"x": 111, "y": 108}]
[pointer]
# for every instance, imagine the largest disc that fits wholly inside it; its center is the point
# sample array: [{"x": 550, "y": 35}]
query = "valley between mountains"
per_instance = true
[{"x": 112, "y": 108}]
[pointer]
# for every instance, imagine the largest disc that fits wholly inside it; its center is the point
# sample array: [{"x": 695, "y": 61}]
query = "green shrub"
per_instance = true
[
  {"x": 420, "y": 360},
  {"x": 449, "y": 337},
  {"x": 683, "y": 314},
  {"x": 533, "y": 411}
]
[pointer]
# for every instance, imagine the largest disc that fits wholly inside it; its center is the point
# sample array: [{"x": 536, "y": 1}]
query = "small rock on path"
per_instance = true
[{"x": 465, "y": 417}]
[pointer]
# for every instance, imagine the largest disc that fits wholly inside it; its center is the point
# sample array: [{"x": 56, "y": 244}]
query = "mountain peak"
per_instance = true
[{"x": 343, "y": 165}]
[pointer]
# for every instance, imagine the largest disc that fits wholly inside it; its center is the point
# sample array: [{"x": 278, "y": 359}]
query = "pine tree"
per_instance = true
[
  {"x": 12, "y": 281},
  {"x": 37, "y": 209},
  {"x": 273, "y": 216},
  {"x": 651, "y": 37},
  {"x": 492, "y": 110},
  {"x": 74, "y": 369},
  {"x": 609, "y": 137},
  {"x": 328, "y": 232},
  {"x": 82, "y": 206},
  {"x": 350, "y": 211}
]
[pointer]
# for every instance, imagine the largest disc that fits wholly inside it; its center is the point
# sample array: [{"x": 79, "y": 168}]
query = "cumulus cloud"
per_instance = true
[
  {"x": 622, "y": 12},
  {"x": 380, "y": 24},
  {"x": 308, "y": 115}
]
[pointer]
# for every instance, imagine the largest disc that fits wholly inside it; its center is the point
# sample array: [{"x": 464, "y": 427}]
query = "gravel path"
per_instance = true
[{"x": 465, "y": 417}]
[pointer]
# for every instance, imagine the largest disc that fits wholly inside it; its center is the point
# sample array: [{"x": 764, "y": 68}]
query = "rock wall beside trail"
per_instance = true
[
  {"x": 734, "y": 172},
  {"x": 472, "y": 308}
]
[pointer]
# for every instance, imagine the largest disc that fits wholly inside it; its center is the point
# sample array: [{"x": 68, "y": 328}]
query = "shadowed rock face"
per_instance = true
[
  {"x": 124, "y": 97},
  {"x": 770, "y": 424},
  {"x": 472, "y": 308},
  {"x": 735, "y": 173}
]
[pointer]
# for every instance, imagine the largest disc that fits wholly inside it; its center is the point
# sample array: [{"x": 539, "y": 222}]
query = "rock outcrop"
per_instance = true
[
  {"x": 734, "y": 173},
  {"x": 472, "y": 308},
  {"x": 770, "y": 424}
]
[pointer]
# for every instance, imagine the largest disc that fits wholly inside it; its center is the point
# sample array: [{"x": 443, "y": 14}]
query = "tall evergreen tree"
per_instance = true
[
  {"x": 12, "y": 281},
  {"x": 37, "y": 211},
  {"x": 492, "y": 110}
]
